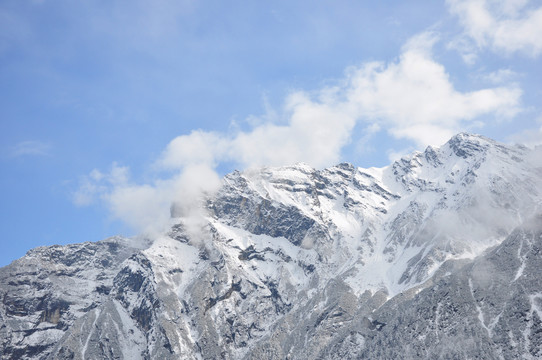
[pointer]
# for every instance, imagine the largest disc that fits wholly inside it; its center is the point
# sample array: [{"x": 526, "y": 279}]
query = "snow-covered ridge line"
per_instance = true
[
  {"x": 419, "y": 205},
  {"x": 301, "y": 263}
]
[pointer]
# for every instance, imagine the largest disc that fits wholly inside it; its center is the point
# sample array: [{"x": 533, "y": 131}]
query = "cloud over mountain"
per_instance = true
[{"x": 411, "y": 97}]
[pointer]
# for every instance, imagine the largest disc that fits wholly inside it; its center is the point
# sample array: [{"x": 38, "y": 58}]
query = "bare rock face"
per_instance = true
[
  {"x": 436, "y": 256},
  {"x": 48, "y": 290}
]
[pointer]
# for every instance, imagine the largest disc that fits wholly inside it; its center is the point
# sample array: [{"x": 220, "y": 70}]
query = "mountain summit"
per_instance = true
[{"x": 434, "y": 256}]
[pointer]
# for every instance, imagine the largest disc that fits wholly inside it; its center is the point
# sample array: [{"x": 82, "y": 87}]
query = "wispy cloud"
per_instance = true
[
  {"x": 96, "y": 184},
  {"x": 31, "y": 148},
  {"x": 503, "y": 26},
  {"x": 500, "y": 76}
]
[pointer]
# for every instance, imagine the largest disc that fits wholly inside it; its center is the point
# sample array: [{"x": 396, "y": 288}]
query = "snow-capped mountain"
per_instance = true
[{"x": 435, "y": 256}]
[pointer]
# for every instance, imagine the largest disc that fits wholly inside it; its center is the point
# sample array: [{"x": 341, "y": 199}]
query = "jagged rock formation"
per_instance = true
[{"x": 435, "y": 256}]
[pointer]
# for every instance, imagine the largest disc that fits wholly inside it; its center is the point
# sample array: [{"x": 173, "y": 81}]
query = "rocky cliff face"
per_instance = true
[{"x": 434, "y": 256}]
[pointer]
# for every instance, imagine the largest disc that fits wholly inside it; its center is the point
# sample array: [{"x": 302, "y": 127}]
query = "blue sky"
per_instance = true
[{"x": 111, "y": 110}]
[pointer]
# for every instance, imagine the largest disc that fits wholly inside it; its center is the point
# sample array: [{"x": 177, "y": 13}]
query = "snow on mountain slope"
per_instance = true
[
  {"x": 392, "y": 226},
  {"x": 287, "y": 262}
]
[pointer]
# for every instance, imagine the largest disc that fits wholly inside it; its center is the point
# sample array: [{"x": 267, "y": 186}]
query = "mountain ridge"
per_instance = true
[{"x": 294, "y": 262}]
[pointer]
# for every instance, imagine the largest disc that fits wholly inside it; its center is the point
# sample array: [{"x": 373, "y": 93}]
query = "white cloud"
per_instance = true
[
  {"x": 529, "y": 137},
  {"x": 97, "y": 184},
  {"x": 315, "y": 132},
  {"x": 143, "y": 207},
  {"x": 411, "y": 98},
  {"x": 31, "y": 148},
  {"x": 504, "y": 25},
  {"x": 414, "y": 98},
  {"x": 363, "y": 145},
  {"x": 199, "y": 147},
  {"x": 87, "y": 192},
  {"x": 466, "y": 48},
  {"x": 148, "y": 207}
]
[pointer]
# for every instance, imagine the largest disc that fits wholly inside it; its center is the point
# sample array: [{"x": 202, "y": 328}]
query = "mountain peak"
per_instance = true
[{"x": 466, "y": 144}]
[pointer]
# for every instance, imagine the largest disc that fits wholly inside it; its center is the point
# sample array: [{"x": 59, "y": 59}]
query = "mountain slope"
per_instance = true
[{"x": 300, "y": 263}]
